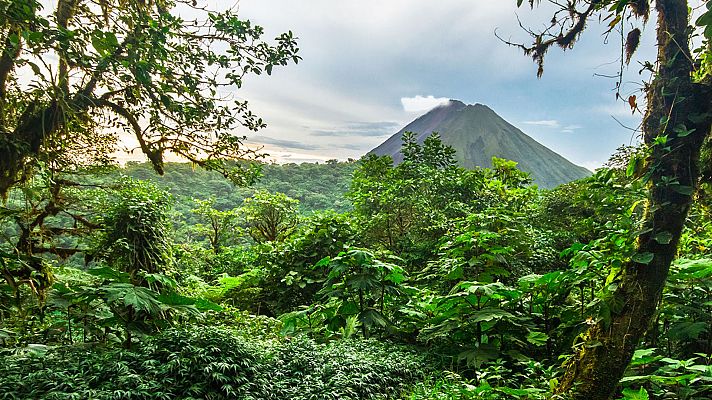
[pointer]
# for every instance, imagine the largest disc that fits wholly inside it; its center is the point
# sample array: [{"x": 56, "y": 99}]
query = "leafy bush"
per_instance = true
[
  {"x": 212, "y": 363},
  {"x": 344, "y": 370},
  {"x": 196, "y": 363},
  {"x": 491, "y": 384},
  {"x": 650, "y": 375}
]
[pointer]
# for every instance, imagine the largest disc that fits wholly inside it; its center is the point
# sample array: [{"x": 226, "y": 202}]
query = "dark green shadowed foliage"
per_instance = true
[{"x": 211, "y": 363}]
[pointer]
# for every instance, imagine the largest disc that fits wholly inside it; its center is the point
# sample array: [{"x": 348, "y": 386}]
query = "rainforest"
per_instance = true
[{"x": 149, "y": 250}]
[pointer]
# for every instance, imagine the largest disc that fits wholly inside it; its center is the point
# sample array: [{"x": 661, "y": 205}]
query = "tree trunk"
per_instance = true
[{"x": 676, "y": 105}]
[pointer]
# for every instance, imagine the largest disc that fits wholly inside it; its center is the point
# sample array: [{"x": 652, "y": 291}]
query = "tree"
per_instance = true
[
  {"x": 677, "y": 121},
  {"x": 361, "y": 284},
  {"x": 404, "y": 206},
  {"x": 408, "y": 208},
  {"x": 270, "y": 216},
  {"x": 136, "y": 234},
  {"x": 43, "y": 219},
  {"x": 219, "y": 225},
  {"x": 132, "y": 66},
  {"x": 136, "y": 245}
]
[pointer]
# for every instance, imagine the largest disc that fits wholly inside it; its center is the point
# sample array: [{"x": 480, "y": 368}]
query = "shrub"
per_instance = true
[{"x": 212, "y": 363}]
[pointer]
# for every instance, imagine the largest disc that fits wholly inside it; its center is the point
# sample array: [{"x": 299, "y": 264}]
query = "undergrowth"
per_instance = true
[{"x": 212, "y": 363}]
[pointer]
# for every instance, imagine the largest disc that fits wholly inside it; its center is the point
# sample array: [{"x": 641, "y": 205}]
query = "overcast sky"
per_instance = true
[{"x": 369, "y": 67}]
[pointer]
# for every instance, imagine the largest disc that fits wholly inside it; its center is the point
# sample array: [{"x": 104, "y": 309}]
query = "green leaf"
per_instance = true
[
  {"x": 206, "y": 305},
  {"x": 644, "y": 356},
  {"x": 632, "y": 166},
  {"x": 372, "y": 318},
  {"x": 686, "y": 190},
  {"x": 348, "y": 308},
  {"x": 6, "y": 334},
  {"x": 364, "y": 282},
  {"x": 704, "y": 19},
  {"x": 537, "y": 338},
  {"x": 7, "y": 212},
  {"x": 396, "y": 276},
  {"x": 663, "y": 237},
  {"x": 490, "y": 314},
  {"x": 455, "y": 274},
  {"x": 643, "y": 258},
  {"x": 174, "y": 299},
  {"x": 687, "y": 330},
  {"x": 682, "y": 131},
  {"x": 109, "y": 274},
  {"x": 324, "y": 262},
  {"x": 632, "y": 394}
]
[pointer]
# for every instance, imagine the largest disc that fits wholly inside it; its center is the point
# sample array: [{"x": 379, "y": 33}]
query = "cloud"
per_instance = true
[
  {"x": 287, "y": 144},
  {"x": 356, "y": 146},
  {"x": 570, "y": 128},
  {"x": 554, "y": 124},
  {"x": 358, "y": 64},
  {"x": 422, "y": 103},
  {"x": 285, "y": 157},
  {"x": 548, "y": 123},
  {"x": 361, "y": 129}
]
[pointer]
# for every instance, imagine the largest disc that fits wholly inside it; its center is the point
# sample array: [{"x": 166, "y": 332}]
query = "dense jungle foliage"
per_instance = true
[
  {"x": 429, "y": 282},
  {"x": 424, "y": 281}
]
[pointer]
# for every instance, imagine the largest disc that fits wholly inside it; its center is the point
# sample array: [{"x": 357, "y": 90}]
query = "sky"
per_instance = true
[{"x": 370, "y": 67}]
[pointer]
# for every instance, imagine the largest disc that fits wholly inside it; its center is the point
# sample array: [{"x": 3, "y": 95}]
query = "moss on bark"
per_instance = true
[{"x": 674, "y": 101}]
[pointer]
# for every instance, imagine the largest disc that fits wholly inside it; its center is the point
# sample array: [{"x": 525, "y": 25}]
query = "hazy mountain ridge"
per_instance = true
[{"x": 478, "y": 134}]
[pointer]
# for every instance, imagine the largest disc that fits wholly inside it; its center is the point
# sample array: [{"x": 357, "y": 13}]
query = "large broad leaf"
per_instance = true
[
  {"x": 396, "y": 274},
  {"x": 361, "y": 257},
  {"x": 348, "y": 308},
  {"x": 174, "y": 299},
  {"x": 290, "y": 321},
  {"x": 644, "y": 356},
  {"x": 687, "y": 330},
  {"x": 537, "y": 338},
  {"x": 490, "y": 314},
  {"x": 528, "y": 281},
  {"x": 37, "y": 350},
  {"x": 372, "y": 318},
  {"x": 206, "y": 305},
  {"x": 692, "y": 269},
  {"x": 413, "y": 313},
  {"x": 363, "y": 281},
  {"x": 179, "y": 303},
  {"x": 164, "y": 281},
  {"x": 477, "y": 356},
  {"x": 478, "y": 289},
  {"x": 324, "y": 262},
  {"x": 139, "y": 298},
  {"x": 110, "y": 274},
  {"x": 643, "y": 258},
  {"x": 632, "y": 394},
  {"x": 456, "y": 273}
]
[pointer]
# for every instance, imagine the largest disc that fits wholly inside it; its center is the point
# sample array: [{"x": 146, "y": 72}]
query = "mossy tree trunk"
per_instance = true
[{"x": 679, "y": 109}]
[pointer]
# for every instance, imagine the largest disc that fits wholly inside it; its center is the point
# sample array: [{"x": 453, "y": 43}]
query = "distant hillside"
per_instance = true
[
  {"x": 316, "y": 186},
  {"x": 477, "y": 134}
]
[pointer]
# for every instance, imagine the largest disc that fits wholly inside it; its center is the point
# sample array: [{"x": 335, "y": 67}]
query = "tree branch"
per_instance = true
[
  {"x": 564, "y": 39},
  {"x": 7, "y": 63},
  {"x": 153, "y": 154}
]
